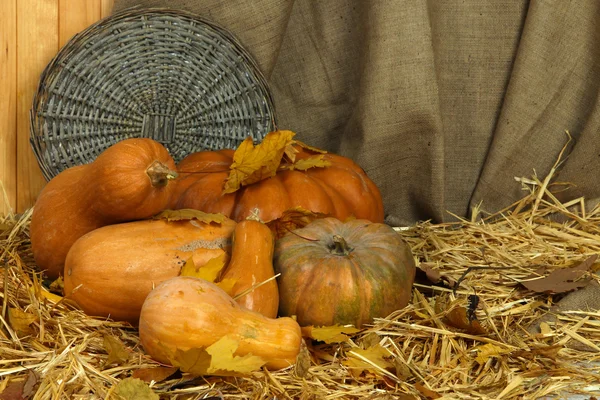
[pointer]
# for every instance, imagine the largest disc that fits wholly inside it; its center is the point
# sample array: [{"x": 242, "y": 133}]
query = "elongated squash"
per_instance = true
[
  {"x": 128, "y": 181},
  {"x": 252, "y": 264},
  {"x": 185, "y": 313},
  {"x": 110, "y": 271}
]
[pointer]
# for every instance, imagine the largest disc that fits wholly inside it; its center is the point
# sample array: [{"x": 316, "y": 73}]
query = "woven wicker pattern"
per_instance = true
[{"x": 163, "y": 74}]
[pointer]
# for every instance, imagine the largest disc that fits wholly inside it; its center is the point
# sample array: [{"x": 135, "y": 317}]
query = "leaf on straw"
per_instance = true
[
  {"x": 209, "y": 271},
  {"x": 156, "y": 374},
  {"x": 20, "y": 321},
  {"x": 370, "y": 340},
  {"x": 550, "y": 352},
  {"x": 459, "y": 317},
  {"x": 255, "y": 163},
  {"x": 227, "y": 285},
  {"x": 303, "y": 361},
  {"x": 193, "y": 361},
  {"x": 484, "y": 352},
  {"x": 134, "y": 389},
  {"x": 426, "y": 275},
  {"x": 186, "y": 214},
  {"x": 402, "y": 370},
  {"x": 116, "y": 350},
  {"x": 426, "y": 392},
  {"x": 561, "y": 280},
  {"x": 366, "y": 359},
  {"x": 290, "y": 151},
  {"x": 311, "y": 162},
  {"x": 57, "y": 286},
  {"x": 224, "y": 361},
  {"x": 21, "y": 389},
  {"x": 44, "y": 293},
  {"x": 216, "y": 359},
  {"x": 291, "y": 219},
  {"x": 329, "y": 334}
]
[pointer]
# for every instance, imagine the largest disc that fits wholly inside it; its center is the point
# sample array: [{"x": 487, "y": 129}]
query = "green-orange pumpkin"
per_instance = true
[
  {"x": 343, "y": 273},
  {"x": 341, "y": 190}
]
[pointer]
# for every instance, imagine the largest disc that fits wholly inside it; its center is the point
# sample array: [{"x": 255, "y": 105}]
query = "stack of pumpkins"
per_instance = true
[{"x": 93, "y": 225}]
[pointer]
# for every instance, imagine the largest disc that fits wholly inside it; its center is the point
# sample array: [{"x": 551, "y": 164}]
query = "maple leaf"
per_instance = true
[
  {"x": 117, "y": 352},
  {"x": 21, "y": 320},
  {"x": 223, "y": 359},
  {"x": 156, "y": 374},
  {"x": 373, "y": 359},
  {"x": 216, "y": 359},
  {"x": 329, "y": 334},
  {"x": 291, "y": 219},
  {"x": 189, "y": 214},
  {"x": 311, "y": 162},
  {"x": 255, "y": 163},
  {"x": 134, "y": 389},
  {"x": 209, "y": 271},
  {"x": 195, "y": 361}
]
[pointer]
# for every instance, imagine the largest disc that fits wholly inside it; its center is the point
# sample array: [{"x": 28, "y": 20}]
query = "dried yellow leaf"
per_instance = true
[
  {"x": 117, "y": 352},
  {"x": 209, "y": 271},
  {"x": 329, "y": 334},
  {"x": 21, "y": 320},
  {"x": 223, "y": 359},
  {"x": 255, "y": 163},
  {"x": 311, "y": 162}
]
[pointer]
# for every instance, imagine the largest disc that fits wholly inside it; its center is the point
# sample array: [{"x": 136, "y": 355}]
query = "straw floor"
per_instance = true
[{"x": 61, "y": 354}]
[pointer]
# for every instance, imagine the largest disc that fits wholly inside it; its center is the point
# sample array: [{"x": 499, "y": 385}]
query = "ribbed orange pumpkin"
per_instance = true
[
  {"x": 341, "y": 190},
  {"x": 343, "y": 273}
]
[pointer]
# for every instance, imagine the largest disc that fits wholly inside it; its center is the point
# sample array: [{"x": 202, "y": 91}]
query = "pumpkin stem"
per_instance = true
[
  {"x": 340, "y": 246},
  {"x": 160, "y": 174}
]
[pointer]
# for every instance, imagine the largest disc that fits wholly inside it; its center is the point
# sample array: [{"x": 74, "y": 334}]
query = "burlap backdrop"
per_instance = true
[{"x": 442, "y": 102}]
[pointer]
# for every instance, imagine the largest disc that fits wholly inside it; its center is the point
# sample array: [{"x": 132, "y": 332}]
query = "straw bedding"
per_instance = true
[{"x": 62, "y": 354}]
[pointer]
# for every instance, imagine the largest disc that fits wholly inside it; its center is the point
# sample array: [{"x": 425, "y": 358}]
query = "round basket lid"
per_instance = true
[{"x": 162, "y": 74}]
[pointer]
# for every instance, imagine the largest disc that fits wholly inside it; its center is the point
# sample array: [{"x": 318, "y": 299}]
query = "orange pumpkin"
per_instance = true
[
  {"x": 341, "y": 190},
  {"x": 343, "y": 273}
]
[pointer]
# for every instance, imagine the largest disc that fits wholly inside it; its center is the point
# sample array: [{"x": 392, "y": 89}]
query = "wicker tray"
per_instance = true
[{"x": 164, "y": 74}]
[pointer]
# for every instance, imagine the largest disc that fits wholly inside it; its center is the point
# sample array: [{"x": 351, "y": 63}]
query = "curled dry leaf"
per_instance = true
[
  {"x": 426, "y": 392},
  {"x": 329, "y": 334},
  {"x": 186, "y": 214},
  {"x": 291, "y": 219},
  {"x": 459, "y": 317},
  {"x": 427, "y": 275},
  {"x": 561, "y": 280},
  {"x": 311, "y": 162}
]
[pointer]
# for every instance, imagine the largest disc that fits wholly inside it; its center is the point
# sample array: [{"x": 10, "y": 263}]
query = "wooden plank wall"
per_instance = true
[{"x": 31, "y": 33}]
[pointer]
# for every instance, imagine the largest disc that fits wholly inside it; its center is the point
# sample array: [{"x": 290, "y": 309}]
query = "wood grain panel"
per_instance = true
[
  {"x": 37, "y": 43},
  {"x": 75, "y": 16},
  {"x": 8, "y": 105},
  {"x": 107, "y": 6}
]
